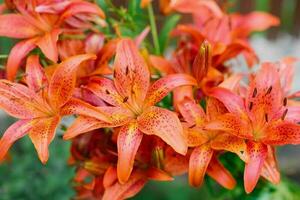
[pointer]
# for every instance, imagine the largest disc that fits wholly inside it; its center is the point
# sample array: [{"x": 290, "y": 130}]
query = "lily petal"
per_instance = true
[
  {"x": 257, "y": 155},
  {"x": 232, "y": 101},
  {"x": 219, "y": 173},
  {"x": 282, "y": 133},
  {"x": 160, "y": 63},
  {"x": 270, "y": 169},
  {"x": 199, "y": 161},
  {"x": 131, "y": 76},
  {"x": 16, "y": 26},
  {"x": 83, "y": 125},
  {"x": 232, "y": 144},
  {"x": 232, "y": 124},
  {"x": 41, "y": 135},
  {"x": 36, "y": 78},
  {"x": 79, "y": 7},
  {"x": 129, "y": 189},
  {"x": 163, "y": 86},
  {"x": 105, "y": 89},
  {"x": 214, "y": 108},
  {"x": 129, "y": 140},
  {"x": 48, "y": 44},
  {"x": 78, "y": 107},
  {"x": 62, "y": 83},
  {"x": 191, "y": 112},
  {"x": 164, "y": 124},
  {"x": 16, "y": 55},
  {"x": 18, "y": 101},
  {"x": 13, "y": 133}
]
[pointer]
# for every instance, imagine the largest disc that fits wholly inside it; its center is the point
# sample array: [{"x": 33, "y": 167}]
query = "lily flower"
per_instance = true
[
  {"x": 207, "y": 144},
  {"x": 40, "y": 105},
  {"x": 263, "y": 118},
  {"x": 132, "y": 101},
  {"x": 37, "y": 30}
]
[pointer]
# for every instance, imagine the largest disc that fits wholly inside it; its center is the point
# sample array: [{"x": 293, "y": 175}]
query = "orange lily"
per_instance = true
[
  {"x": 41, "y": 104},
  {"x": 133, "y": 99},
  {"x": 37, "y": 29},
  {"x": 207, "y": 143},
  {"x": 262, "y": 117}
]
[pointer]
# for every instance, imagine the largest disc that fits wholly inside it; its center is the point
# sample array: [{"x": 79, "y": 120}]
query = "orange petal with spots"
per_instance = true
[
  {"x": 63, "y": 80},
  {"x": 214, "y": 108},
  {"x": 19, "y": 101},
  {"x": 163, "y": 86},
  {"x": 199, "y": 161},
  {"x": 232, "y": 124},
  {"x": 282, "y": 133},
  {"x": 257, "y": 155},
  {"x": 131, "y": 75},
  {"x": 13, "y": 133},
  {"x": 129, "y": 140},
  {"x": 41, "y": 135},
  {"x": 105, "y": 89},
  {"x": 232, "y": 144},
  {"x": 164, "y": 124},
  {"x": 219, "y": 173}
]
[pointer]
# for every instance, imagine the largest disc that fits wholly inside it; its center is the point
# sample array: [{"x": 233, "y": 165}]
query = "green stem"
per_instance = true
[
  {"x": 3, "y": 56},
  {"x": 153, "y": 29}
]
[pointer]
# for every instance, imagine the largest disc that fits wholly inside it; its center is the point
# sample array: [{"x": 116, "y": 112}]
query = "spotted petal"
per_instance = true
[
  {"x": 199, "y": 161},
  {"x": 257, "y": 155},
  {"x": 164, "y": 124},
  {"x": 41, "y": 135},
  {"x": 62, "y": 83},
  {"x": 129, "y": 140}
]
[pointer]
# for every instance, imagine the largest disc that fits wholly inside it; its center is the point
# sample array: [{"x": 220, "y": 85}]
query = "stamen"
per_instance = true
[
  {"x": 284, "y": 114},
  {"x": 250, "y": 105},
  {"x": 254, "y": 93},
  {"x": 114, "y": 74},
  {"x": 127, "y": 70},
  {"x": 269, "y": 90},
  {"x": 193, "y": 126},
  {"x": 266, "y": 117},
  {"x": 284, "y": 101}
]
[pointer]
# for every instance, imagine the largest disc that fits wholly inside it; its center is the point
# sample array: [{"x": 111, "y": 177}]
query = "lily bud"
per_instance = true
[{"x": 202, "y": 61}]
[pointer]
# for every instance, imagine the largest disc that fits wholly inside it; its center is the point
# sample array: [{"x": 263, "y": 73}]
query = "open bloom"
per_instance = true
[
  {"x": 132, "y": 101},
  {"x": 263, "y": 118},
  {"x": 41, "y": 104},
  {"x": 207, "y": 143},
  {"x": 38, "y": 29}
]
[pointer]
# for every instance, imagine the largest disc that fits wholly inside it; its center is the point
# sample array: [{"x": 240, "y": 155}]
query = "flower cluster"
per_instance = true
[{"x": 142, "y": 115}]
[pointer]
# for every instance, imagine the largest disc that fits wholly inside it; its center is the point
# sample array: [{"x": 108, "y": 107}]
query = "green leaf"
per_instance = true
[{"x": 164, "y": 34}]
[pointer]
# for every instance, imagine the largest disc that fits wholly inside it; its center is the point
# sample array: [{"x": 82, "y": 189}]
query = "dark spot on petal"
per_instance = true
[
  {"x": 125, "y": 99},
  {"x": 107, "y": 92}
]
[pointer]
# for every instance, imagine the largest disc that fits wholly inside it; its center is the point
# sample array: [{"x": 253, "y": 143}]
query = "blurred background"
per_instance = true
[{"x": 24, "y": 177}]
